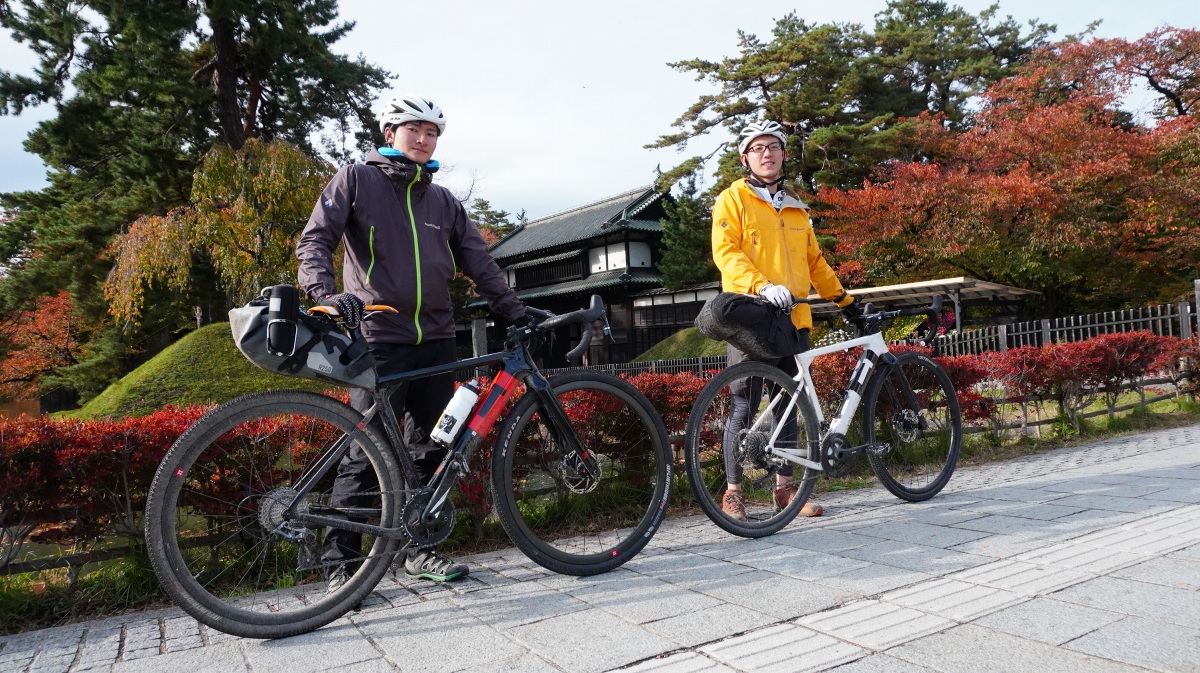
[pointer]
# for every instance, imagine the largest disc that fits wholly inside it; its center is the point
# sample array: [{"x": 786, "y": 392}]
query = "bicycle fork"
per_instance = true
[{"x": 456, "y": 463}]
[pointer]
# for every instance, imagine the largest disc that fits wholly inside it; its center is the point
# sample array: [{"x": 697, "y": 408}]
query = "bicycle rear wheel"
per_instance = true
[
  {"x": 913, "y": 438},
  {"x": 567, "y": 523},
  {"x": 727, "y": 432},
  {"x": 215, "y": 530}
]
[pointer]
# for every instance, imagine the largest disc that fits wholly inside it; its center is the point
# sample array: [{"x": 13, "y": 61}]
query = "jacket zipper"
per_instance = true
[
  {"x": 787, "y": 253},
  {"x": 412, "y": 221},
  {"x": 371, "y": 246}
]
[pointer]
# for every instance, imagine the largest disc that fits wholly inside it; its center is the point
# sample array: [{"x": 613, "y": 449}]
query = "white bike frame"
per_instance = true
[{"x": 874, "y": 349}]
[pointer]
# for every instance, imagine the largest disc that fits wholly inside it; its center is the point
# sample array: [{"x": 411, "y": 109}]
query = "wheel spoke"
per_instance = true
[
  {"x": 914, "y": 412},
  {"x": 216, "y": 507},
  {"x": 582, "y": 525},
  {"x": 726, "y": 442}
]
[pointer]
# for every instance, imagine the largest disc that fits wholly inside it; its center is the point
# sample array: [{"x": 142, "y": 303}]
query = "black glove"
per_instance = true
[
  {"x": 349, "y": 306},
  {"x": 852, "y": 313},
  {"x": 523, "y": 321}
]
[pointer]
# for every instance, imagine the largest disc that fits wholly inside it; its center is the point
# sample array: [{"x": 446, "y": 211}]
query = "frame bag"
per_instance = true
[
  {"x": 753, "y": 326},
  {"x": 274, "y": 334}
]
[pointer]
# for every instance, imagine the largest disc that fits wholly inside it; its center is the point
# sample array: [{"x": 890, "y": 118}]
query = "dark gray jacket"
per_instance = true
[{"x": 405, "y": 238}]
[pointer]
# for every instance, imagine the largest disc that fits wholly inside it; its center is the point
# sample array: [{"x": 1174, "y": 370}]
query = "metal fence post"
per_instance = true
[
  {"x": 1185, "y": 320},
  {"x": 1045, "y": 332},
  {"x": 1002, "y": 337}
]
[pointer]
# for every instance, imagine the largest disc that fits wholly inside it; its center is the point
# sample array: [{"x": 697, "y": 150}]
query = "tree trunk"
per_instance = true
[{"x": 225, "y": 79}]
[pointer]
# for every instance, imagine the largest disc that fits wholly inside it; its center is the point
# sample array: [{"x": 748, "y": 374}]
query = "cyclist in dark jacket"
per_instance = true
[{"x": 405, "y": 238}]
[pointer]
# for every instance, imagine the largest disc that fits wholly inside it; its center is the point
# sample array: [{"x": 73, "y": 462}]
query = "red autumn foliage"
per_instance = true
[
  {"x": 1053, "y": 188},
  {"x": 671, "y": 394},
  {"x": 87, "y": 474},
  {"x": 38, "y": 342},
  {"x": 1126, "y": 357}
]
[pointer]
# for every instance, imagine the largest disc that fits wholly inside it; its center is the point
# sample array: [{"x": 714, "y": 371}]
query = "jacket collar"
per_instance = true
[
  {"x": 401, "y": 171},
  {"x": 790, "y": 198}
]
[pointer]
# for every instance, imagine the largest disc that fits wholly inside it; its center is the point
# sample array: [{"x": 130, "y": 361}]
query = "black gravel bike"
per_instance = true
[
  {"x": 910, "y": 434},
  {"x": 580, "y": 470}
]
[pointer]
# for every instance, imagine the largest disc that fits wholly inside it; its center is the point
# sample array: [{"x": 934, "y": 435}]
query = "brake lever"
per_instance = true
[{"x": 607, "y": 329}]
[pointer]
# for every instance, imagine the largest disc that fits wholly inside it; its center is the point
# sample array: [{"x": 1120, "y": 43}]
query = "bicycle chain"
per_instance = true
[{"x": 312, "y": 553}]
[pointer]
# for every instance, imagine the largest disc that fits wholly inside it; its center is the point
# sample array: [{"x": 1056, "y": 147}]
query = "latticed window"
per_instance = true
[{"x": 547, "y": 274}]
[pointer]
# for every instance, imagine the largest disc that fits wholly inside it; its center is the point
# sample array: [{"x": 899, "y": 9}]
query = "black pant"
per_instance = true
[
  {"x": 744, "y": 400},
  {"x": 418, "y": 404}
]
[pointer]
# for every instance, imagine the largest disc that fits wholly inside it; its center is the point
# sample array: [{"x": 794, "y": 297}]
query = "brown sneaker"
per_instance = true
[
  {"x": 734, "y": 505},
  {"x": 783, "y": 497}
]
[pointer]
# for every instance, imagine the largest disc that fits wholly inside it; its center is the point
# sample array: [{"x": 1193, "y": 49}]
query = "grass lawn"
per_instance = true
[
  {"x": 686, "y": 343},
  {"x": 204, "y": 367}
]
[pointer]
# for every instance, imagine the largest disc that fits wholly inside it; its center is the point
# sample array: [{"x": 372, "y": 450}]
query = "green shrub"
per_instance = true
[
  {"x": 204, "y": 367},
  {"x": 686, "y": 343}
]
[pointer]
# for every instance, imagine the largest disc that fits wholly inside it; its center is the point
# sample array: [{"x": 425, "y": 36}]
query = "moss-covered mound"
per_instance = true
[
  {"x": 204, "y": 367},
  {"x": 686, "y": 343}
]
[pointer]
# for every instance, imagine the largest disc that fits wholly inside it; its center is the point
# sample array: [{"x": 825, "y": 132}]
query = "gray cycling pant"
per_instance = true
[
  {"x": 743, "y": 399},
  {"x": 417, "y": 404}
]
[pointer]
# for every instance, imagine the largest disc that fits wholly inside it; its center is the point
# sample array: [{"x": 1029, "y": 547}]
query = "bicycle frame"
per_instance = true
[
  {"x": 874, "y": 350},
  {"x": 515, "y": 366}
]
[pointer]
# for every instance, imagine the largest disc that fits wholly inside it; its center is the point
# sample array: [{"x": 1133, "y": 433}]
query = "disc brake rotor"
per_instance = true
[{"x": 906, "y": 423}]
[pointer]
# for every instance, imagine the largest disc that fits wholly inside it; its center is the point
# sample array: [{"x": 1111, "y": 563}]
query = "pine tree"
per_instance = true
[
  {"x": 842, "y": 91},
  {"x": 143, "y": 91},
  {"x": 687, "y": 239}
]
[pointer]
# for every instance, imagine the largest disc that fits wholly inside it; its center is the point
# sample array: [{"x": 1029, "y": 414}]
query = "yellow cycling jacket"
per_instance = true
[{"x": 753, "y": 245}]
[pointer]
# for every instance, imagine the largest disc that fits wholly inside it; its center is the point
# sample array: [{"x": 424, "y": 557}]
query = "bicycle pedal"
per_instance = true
[{"x": 878, "y": 448}]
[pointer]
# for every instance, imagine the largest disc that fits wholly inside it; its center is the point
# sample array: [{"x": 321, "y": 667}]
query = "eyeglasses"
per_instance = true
[{"x": 759, "y": 149}]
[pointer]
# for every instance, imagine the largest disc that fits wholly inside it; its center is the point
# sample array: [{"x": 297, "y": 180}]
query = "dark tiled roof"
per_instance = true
[
  {"x": 596, "y": 281},
  {"x": 644, "y": 225},
  {"x": 712, "y": 285},
  {"x": 579, "y": 224},
  {"x": 544, "y": 260}
]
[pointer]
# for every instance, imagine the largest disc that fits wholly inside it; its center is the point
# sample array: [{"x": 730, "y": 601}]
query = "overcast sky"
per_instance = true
[{"x": 549, "y": 103}]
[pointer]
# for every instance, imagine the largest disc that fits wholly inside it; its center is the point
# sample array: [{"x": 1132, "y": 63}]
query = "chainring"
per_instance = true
[
  {"x": 836, "y": 461},
  {"x": 427, "y": 534}
]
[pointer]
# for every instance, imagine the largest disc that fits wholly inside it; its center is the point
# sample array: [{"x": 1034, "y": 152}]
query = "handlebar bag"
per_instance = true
[
  {"x": 319, "y": 351},
  {"x": 758, "y": 329}
]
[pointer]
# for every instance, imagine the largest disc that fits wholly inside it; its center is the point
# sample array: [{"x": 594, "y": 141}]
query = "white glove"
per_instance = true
[{"x": 777, "y": 295}]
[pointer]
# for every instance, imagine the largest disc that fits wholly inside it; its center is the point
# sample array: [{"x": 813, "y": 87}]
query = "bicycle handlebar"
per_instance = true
[
  {"x": 546, "y": 321},
  {"x": 933, "y": 311}
]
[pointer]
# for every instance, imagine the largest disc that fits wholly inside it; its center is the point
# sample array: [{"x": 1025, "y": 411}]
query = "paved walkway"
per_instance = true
[{"x": 1083, "y": 559}]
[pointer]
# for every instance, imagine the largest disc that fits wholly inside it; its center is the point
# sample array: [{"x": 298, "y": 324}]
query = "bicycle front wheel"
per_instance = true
[
  {"x": 216, "y": 530},
  {"x": 583, "y": 525},
  {"x": 913, "y": 427},
  {"x": 727, "y": 435}
]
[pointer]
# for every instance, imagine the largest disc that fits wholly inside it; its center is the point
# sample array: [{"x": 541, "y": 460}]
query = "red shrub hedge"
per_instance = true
[{"x": 90, "y": 475}]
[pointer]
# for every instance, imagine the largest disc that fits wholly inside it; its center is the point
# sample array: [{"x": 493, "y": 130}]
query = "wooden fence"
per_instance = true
[{"x": 1177, "y": 320}]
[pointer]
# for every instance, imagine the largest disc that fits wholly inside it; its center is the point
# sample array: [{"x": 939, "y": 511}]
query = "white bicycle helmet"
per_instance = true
[
  {"x": 411, "y": 108},
  {"x": 765, "y": 127}
]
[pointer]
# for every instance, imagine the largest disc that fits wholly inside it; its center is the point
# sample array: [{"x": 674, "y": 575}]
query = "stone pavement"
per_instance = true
[{"x": 1084, "y": 559}]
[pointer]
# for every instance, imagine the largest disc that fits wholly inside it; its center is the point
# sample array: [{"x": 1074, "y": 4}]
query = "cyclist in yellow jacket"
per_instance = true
[{"x": 764, "y": 244}]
